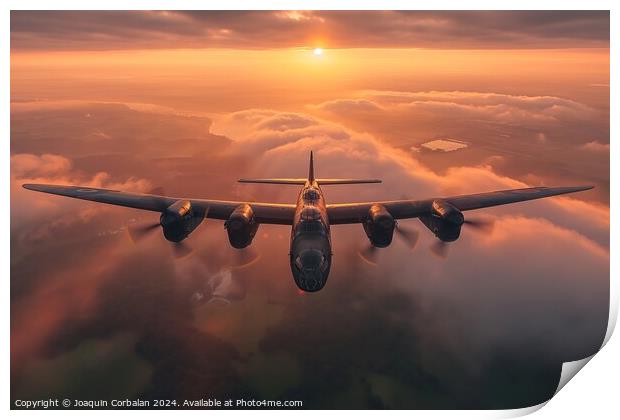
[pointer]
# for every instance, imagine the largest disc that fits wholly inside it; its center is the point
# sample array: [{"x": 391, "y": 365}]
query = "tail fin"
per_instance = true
[{"x": 311, "y": 170}]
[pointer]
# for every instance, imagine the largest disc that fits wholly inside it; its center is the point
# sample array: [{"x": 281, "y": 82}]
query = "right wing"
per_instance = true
[
  {"x": 407, "y": 209},
  {"x": 270, "y": 213}
]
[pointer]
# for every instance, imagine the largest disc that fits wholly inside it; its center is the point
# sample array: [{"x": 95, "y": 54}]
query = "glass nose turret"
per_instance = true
[{"x": 310, "y": 269}]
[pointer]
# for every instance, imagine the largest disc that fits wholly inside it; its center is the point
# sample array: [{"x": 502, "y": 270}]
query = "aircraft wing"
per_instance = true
[
  {"x": 281, "y": 214},
  {"x": 406, "y": 209}
]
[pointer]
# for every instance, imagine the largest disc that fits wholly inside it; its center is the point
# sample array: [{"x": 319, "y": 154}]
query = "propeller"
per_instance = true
[
  {"x": 408, "y": 235},
  {"x": 368, "y": 254},
  {"x": 139, "y": 231},
  {"x": 180, "y": 249},
  {"x": 483, "y": 225},
  {"x": 244, "y": 257},
  {"x": 439, "y": 249}
]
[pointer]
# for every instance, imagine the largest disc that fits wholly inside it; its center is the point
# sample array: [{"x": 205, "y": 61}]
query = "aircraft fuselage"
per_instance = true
[{"x": 310, "y": 250}]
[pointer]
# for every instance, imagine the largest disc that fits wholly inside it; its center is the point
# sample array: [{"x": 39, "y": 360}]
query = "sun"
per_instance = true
[{"x": 318, "y": 51}]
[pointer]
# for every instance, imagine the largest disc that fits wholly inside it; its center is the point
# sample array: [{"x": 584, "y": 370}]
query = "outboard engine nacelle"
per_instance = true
[
  {"x": 179, "y": 220},
  {"x": 379, "y": 226},
  {"x": 445, "y": 221},
  {"x": 241, "y": 226}
]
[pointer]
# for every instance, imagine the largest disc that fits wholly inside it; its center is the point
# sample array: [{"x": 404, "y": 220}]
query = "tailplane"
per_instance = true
[
  {"x": 284, "y": 181},
  {"x": 302, "y": 181},
  {"x": 342, "y": 181}
]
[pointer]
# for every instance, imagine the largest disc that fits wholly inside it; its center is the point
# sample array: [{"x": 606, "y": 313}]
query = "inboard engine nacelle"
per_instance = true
[
  {"x": 379, "y": 226},
  {"x": 241, "y": 226},
  {"x": 445, "y": 221}
]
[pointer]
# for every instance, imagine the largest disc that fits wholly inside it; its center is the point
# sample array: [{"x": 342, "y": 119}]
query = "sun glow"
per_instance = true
[{"x": 318, "y": 51}]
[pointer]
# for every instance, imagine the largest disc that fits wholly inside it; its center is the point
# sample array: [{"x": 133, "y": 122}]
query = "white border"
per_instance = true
[{"x": 593, "y": 394}]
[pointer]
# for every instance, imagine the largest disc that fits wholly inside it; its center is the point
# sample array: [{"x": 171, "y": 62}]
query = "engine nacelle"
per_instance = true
[
  {"x": 379, "y": 226},
  {"x": 241, "y": 226},
  {"x": 179, "y": 220},
  {"x": 445, "y": 221}
]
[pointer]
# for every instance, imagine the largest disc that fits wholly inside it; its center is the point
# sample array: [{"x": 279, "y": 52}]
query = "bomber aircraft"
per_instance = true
[{"x": 310, "y": 218}]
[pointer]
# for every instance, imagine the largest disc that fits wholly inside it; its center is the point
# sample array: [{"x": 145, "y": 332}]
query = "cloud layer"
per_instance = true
[
  {"x": 523, "y": 137},
  {"x": 105, "y": 30},
  {"x": 524, "y": 111},
  {"x": 412, "y": 332}
]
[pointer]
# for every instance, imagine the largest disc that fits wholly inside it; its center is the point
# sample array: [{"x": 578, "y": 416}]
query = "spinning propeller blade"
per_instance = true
[
  {"x": 408, "y": 235},
  {"x": 140, "y": 231},
  {"x": 482, "y": 225},
  {"x": 368, "y": 254},
  {"x": 244, "y": 257},
  {"x": 180, "y": 249}
]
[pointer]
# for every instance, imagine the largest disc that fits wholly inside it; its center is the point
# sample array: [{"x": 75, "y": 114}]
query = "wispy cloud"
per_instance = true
[{"x": 596, "y": 146}]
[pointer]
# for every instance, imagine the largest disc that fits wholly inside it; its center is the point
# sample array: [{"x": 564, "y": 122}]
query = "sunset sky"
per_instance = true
[{"x": 433, "y": 103}]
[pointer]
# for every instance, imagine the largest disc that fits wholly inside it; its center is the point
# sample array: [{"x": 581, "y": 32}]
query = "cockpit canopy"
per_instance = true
[
  {"x": 311, "y": 226},
  {"x": 310, "y": 194},
  {"x": 310, "y": 220},
  {"x": 310, "y": 213}
]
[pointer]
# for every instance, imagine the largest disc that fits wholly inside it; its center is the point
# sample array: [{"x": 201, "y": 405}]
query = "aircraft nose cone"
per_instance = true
[
  {"x": 310, "y": 276},
  {"x": 311, "y": 260}
]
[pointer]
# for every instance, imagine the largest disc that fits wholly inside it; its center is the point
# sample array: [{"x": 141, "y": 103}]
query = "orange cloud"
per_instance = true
[
  {"x": 50, "y": 212},
  {"x": 473, "y": 105},
  {"x": 24, "y": 165},
  {"x": 596, "y": 147},
  {"x": 281, "y": 149},
  {"x": 511, "y": 288},
  {"x": 100, "y": 30}
]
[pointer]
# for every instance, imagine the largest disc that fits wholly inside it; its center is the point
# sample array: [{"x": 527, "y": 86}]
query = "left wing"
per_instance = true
[
  {"x": 271, "y": 213},
  {"x": 406, "y": 209}
]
